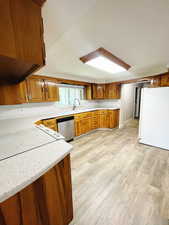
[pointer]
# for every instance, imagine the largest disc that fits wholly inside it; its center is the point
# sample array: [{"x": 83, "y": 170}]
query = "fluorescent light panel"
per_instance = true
[{"x": 103, "y": 63}]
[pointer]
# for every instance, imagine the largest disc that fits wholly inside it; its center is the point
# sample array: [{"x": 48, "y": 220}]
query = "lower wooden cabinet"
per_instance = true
[
  {"x": 113, "y": 116},
  {"x": 103, "y": 119},
  {"x": 47, "y": 201},
  {"x": 51, "y": 123},
  {"x": 83, "y": 123},
  {"x": 96, "y": 119}
]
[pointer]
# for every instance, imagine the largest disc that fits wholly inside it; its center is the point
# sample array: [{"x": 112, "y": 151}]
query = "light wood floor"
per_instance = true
[{"x": 117, "y": 181}]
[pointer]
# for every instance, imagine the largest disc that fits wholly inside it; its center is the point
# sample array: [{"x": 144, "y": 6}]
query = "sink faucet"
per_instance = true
[{"x": 74, "y": 103}]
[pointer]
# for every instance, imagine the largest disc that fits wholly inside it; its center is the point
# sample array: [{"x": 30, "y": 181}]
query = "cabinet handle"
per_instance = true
[{"x": 42, "y": 89}]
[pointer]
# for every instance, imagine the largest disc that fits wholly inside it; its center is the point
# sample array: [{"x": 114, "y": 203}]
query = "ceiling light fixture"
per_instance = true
[{"x": 104, "y": 60}]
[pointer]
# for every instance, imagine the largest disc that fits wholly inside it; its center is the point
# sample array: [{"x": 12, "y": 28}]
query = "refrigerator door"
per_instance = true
[{"x": 154, "y": 117}]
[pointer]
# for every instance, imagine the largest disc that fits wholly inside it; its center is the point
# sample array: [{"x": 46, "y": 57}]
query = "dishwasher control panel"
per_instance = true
[{"x": 50, "y": 132}]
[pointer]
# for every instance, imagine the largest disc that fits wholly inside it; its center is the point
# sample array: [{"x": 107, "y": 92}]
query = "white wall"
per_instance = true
[{"x": 127, "y": 103}]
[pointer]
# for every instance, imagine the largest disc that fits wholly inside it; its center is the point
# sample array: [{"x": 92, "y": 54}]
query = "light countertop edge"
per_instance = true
[
  {"x": 73, "y": 112},
  {"x": 20, "y": 171}
]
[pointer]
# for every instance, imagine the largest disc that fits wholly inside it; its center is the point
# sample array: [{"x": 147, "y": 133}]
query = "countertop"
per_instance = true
[
  {"x": 23, "y": 169},
  {"x": 19, "y": 171}
]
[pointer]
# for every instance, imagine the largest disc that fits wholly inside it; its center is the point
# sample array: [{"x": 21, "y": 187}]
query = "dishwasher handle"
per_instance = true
[{"x": 65, "y": 119}]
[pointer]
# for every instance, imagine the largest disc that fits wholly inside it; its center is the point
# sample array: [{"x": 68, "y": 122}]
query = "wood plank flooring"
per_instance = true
[{"x": 117, "y": 181}]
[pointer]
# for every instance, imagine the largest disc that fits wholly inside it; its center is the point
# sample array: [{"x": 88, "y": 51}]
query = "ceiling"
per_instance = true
[{"x": 135, "y": 31}]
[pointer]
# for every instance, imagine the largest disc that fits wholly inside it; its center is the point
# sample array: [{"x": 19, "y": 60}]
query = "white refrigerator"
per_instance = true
[{"x": 154, "y": 117}]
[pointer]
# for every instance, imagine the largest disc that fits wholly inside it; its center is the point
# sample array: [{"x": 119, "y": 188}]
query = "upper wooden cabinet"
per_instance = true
[
  {"x": 21, "y": 44},
  {"x": 88, "y": 92},
  {"x": 98, "y": 91},
  {"x": 113, "y": 91},
  {"x": 41, "y": 89},
  {"x": 13, "y": 94},
  {"x": 33, "y": 89},
  {"x": 165, "y": 80},
  {"x": 51, "y": 90},
  {"x": 106, "y": 91}
]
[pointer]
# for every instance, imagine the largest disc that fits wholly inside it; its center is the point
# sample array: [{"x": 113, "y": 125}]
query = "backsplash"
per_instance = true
[{"x": 35, "y": 109}]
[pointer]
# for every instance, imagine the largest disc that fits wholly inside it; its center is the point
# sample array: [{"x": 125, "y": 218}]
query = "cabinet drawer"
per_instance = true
[
  {"x": 95, "y": 113},
  {"x": 103, "y": 112},
  {"x": 83, "y": 115}
]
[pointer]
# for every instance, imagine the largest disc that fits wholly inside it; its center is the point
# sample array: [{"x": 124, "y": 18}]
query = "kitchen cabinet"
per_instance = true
[
  {"x": 51, "y": 90},
  {"x": 83, "y": 123},
  {"x": 165, "y": 80},
  {"x": 22, "y": 48},
  {"x": 113, "y": 91},
  {"x": 35, "y": 87},
  {"x": 50, "y": 123},
  {"x": 103, "y": 119},
  {"x": 13, "y": 94},
  {"x": 47, "y": 201},
  {"x": 88, "y": 92},
  {"x": 87, "y": 124},
  {"x": 98, "y": 91},
  {"x": 42, "y": 89},
  {"x": 94, "y": 120},
  {"x": 79, "y": 130},
  {"x": 155, "y": 82},
  {"x": 106, "y": 91},
  {"x": 113, "y": 116}
]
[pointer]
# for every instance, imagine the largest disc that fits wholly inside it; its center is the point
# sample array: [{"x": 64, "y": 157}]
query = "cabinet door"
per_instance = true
[
  {"x": 113, "y": 118},
  {"x": 88, "y": 92},
  {"x": 103, "y": 119},
  {"x": 7, "y": 46},
  {"x": 87, "y": 125},
  {"x": 78, "y": 127},
  {"x": 113, "y": 91},
  {"x": 51, "y": 91},
  {"x": 47, "y": 201},
  {"x": 26, "y": 17},
  {"x": 35, "y": 88},
  {"x": 95, "y": 122},
  {"x": 165, "y": 80},
  {"x": 98, "y": 91},
  {"x": 64, "y": 172},
  {"x": 155, "y": 82},
  {"x": 13, "y": 94},
  {"x": 51, "y": 123}
]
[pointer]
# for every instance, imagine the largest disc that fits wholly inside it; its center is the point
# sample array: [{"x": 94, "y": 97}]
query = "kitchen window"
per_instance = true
[{"x": 68, "y": 93}]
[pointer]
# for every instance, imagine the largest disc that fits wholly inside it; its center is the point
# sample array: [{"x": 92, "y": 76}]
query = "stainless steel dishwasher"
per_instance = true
[{"x": 66, "y": 127}]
